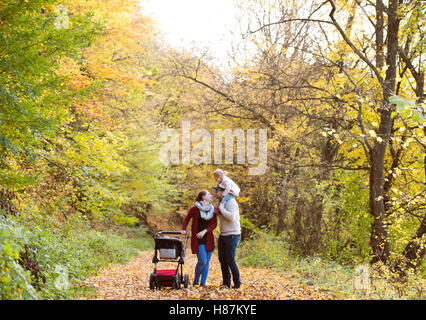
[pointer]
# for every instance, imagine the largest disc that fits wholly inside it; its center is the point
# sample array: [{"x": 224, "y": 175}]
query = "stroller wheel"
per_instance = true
[
  {"x": 186, "y": 280},
  {"x": 176, "y": 283},
  {"x": 152, "y": 282}
]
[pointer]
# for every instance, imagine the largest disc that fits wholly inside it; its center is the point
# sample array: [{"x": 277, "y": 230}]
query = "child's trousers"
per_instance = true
[{"x": 226, "y": 198}]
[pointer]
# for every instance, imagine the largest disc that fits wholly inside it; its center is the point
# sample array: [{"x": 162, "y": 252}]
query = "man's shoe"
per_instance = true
[{"x": 236, "y": 286}]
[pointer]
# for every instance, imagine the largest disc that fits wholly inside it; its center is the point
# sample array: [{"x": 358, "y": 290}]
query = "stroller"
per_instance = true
[{"x": 170, "y": 249}]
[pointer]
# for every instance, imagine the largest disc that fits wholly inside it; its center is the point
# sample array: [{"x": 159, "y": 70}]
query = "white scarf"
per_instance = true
[{"x": 207, "y": 211}]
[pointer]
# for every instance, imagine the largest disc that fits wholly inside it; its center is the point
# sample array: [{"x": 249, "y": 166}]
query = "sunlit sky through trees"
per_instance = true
[{"x": 202, "y": 24}]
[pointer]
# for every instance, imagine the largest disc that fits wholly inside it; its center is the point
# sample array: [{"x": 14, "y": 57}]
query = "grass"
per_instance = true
[
  {"x": 109, "y": 247},
  {"x": 69, "y": 252},
  {"x": 343, "y": 281}
]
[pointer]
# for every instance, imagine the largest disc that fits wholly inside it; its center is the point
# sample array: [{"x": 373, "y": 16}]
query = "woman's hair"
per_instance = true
[
  {"x": 219, "y": 173},
  {"x": 200, "y": 196}
]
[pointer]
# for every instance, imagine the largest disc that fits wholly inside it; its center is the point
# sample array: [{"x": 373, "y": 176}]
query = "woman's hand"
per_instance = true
[
  {"x": 183, "y": 231},
  {"x": 201, "y": 234}
]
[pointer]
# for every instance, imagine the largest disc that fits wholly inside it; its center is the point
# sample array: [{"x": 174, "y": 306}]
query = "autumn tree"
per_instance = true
[
  {"x": 316, "y": 70},
  {"x": 386, "y": 74}
]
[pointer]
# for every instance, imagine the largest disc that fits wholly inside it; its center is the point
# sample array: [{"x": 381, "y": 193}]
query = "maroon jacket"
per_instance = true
[{"x": 193, "y": 214}]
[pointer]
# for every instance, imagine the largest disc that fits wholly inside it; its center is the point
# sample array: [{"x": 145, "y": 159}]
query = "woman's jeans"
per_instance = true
[
  {"x": 227, "y": 247},
  {"x": 202, "y": 267}
]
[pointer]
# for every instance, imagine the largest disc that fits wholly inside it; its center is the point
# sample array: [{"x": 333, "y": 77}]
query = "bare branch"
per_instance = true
[{"x": 349, "y": 42}]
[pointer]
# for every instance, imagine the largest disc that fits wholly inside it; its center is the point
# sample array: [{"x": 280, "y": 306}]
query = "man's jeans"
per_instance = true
[{"x": 227, "y": 247}]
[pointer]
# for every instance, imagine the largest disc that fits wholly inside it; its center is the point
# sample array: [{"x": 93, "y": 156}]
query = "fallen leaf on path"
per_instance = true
[{"x": 131, "y": 281}]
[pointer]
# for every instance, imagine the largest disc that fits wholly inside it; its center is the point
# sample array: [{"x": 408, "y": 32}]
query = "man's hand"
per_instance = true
[
  {"x": 201, "y": 234},
  {"x": 219, "y": 206}
]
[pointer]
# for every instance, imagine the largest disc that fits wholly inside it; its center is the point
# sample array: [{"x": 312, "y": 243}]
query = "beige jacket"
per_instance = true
[
  {"x": 229, "y": 218},
  {"x": 230, "y": 186}
]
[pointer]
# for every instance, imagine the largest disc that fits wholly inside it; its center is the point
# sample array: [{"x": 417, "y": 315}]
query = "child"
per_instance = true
[{"x": 231, "y": 188}]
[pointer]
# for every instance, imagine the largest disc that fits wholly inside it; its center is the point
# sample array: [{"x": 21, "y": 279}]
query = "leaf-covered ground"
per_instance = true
[{"x": 131, "y": 281}]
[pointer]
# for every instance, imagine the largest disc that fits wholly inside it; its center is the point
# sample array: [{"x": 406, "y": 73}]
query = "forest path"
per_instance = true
[{"x": 131, "y": 281}]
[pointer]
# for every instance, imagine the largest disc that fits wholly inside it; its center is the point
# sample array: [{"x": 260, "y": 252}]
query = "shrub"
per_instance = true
[
  {"x": 15, "y": 281},
  {"x": 42, "y": 260},
  {"x": 264, "y": 250}
]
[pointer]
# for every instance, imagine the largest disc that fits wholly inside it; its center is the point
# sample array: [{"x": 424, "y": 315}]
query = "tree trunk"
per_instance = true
[
  {"x": 282, "y": 212},
  {"x": 379, "y": 236},
  {"x": 297, "y": 226},
  {"x": 414, "y": 252},
  {"x": 379, "y": 33}
]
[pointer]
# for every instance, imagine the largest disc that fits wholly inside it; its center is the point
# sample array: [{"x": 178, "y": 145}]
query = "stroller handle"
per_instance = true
[
  {"x": 182, "y": 258},
  {"x": 160, "y": 233}
]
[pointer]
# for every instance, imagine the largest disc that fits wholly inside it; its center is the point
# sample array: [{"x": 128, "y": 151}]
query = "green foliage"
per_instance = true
[
  {"x": 74, "y": 247},
  {"x": 264, "y": 250},
  {"x": 347, "y": 216},
  {"x": 71, "y": 155},
  {"x": 15, "y": 281},
  {"x": 30, "y": 103},
  {"x": 414, "y": 113},
  {"x": 70, "y": 134},
  {"x": 81, "y": 110}
]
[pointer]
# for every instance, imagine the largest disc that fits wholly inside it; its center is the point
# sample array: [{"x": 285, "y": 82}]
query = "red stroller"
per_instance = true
[{"x": 170, "y": 249}]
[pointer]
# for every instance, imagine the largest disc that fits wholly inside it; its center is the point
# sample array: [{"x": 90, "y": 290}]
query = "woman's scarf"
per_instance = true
[{"x": 206, "y": 212}]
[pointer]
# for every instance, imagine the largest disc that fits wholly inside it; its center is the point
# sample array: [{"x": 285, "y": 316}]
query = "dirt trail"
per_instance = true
[{"x": 131, "y": 281}]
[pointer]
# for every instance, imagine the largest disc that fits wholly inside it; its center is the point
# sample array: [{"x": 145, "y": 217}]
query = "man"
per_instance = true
[{"x": 230, "y": 235}]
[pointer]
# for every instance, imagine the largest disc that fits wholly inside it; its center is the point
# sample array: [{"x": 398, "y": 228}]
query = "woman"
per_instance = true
[{"x": 204, "y": 221}]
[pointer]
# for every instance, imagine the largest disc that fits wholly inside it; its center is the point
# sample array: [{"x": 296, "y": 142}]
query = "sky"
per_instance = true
[{"x": 205, "y": 24}]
